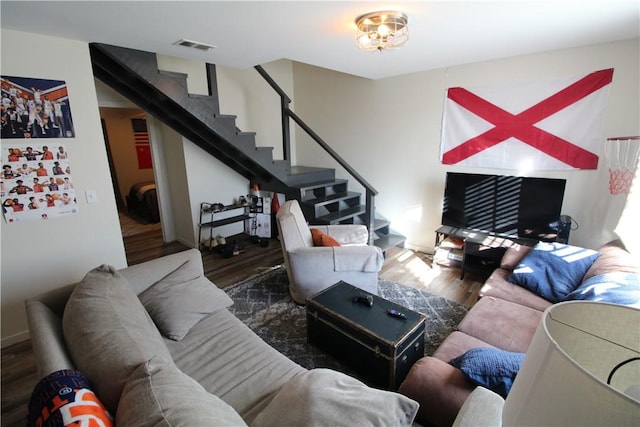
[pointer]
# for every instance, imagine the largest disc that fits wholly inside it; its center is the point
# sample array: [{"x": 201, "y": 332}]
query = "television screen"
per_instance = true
[{"x": 510, "y": 205}]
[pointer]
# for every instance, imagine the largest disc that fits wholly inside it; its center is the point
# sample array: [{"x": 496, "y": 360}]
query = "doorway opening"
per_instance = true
[{"x": 129, "y": 151}]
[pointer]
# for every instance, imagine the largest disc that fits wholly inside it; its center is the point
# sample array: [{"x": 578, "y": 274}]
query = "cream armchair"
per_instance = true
[{"x": 314, "y": 268}]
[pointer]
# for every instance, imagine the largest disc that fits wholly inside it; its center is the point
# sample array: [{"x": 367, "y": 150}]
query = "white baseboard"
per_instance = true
[
  {"x": 14, "y": 339},
  {"x": 186, "y": 243},
  {"x": 419, "y": 248}
]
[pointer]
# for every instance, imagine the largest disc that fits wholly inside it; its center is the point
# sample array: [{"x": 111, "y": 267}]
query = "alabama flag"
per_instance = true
[{"x": 552, "y": 124}]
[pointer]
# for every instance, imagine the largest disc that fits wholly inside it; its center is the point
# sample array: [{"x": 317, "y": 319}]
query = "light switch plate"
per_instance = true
[{"x": 92, "y": 196}]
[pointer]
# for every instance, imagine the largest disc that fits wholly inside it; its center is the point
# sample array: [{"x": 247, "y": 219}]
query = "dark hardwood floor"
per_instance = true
[{"x": 401, "y": 265}]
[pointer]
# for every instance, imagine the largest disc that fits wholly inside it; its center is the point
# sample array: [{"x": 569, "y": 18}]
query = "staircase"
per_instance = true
[
  {"x": 333, "y": 203},
  {"x": 324, "y": 199}
]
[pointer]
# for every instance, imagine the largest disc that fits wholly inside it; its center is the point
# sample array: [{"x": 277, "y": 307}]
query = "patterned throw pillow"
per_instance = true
[{"x": 64, "y": 398}]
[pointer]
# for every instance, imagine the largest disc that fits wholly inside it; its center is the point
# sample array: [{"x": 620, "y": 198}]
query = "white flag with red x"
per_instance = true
[{"x": 553, "y": 124}]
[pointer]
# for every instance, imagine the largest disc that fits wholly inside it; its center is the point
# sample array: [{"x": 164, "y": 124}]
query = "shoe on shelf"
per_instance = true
[
  {"x": 217, "y": 207},
  {"x": 221, "y": 240},
  {"x": 236, "y": 249},
  {"x": 211, "y": 243},
  {"x": 242, "y": 201}
]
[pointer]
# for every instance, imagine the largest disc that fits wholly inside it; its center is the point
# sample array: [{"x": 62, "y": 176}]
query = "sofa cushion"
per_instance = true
[
  {"x": 322, "y": 239},
  {"x": 491, "y": 368},
  {"x": 181, "y": 299},
  {"x": 323, "y": 397},
  {"x": 158, "y": 394},
  {"x": 230, "y": 361},
  {"x": 498, "y": 285},
  {"x": 457, "y": 344},
  {"x": 616, "y": 288},
  {"x": 553, "y": 270},
  {"x": 108, "y": 332},
  {"x": 501, "y": 323}
]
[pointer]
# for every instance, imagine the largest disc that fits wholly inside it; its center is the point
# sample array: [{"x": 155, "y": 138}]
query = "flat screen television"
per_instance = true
[{"x": 506, "y": 205}]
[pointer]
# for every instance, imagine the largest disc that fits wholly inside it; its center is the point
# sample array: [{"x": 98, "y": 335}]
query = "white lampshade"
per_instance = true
[{"x": 563, "y": 379}]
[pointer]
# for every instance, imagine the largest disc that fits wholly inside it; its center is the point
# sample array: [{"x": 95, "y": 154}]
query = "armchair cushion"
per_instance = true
[{"x": 346, "y": 234}]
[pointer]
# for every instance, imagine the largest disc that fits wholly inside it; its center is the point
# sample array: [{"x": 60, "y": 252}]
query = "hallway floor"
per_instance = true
[{"x": 132, "y": 225}]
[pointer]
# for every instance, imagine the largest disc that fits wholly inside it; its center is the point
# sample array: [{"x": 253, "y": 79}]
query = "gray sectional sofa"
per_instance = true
[
  {"x": 159, "y": 347},
  {"x": 505, "y": 318}
]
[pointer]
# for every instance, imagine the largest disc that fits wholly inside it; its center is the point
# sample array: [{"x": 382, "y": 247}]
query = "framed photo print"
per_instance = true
[{"x": 35, "y": 108}]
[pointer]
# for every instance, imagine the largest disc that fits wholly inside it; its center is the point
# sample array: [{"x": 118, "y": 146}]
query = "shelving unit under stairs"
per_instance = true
[{"x": 214, "y": 216}]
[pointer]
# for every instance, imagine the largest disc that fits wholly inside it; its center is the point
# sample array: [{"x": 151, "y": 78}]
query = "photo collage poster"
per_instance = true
[{"x": 36, "y": 182}]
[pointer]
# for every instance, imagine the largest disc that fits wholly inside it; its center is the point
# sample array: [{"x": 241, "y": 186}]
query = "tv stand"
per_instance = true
[{"x": 481, "y": 251}]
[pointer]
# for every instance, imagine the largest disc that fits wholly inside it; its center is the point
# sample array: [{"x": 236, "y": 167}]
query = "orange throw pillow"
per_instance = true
[{"x": 322, "y": 239}]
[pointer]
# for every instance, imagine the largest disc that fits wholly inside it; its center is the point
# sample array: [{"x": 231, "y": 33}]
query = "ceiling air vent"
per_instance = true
[{"x": 194, "y": 45}]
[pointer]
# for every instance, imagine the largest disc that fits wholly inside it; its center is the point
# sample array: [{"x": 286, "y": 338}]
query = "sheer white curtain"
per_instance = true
[{"x": 629, "y": 222}]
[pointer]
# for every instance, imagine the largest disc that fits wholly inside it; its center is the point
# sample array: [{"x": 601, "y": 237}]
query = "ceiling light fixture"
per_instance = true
[{"x": 381, "y": 30}]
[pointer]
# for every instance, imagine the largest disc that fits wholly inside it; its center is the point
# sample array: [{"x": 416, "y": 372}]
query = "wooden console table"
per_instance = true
[{"x": 481, "y": 251}]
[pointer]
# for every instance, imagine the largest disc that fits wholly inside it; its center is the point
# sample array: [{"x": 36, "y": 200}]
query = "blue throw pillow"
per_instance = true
[
  {"x": 490, "y": 368},
  {"x": 553, "y": 270},
  {"x": 616, "y": 288}
]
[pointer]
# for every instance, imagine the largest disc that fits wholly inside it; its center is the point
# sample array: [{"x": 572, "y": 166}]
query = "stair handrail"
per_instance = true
[{"x": 286, "y": 114}]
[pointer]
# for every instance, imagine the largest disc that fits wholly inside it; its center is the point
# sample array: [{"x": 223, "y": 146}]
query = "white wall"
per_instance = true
[
  {"x": 37, "y": 256},
  {"x": 389, "y": 130},
  {"x": 247, "y": 95}
]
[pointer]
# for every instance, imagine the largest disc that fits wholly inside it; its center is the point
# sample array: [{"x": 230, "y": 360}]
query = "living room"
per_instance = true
[
  {"x": 410, "y": 181},
  {"x": 389, "y": 129},
  {"x": 395, "y": 147}
]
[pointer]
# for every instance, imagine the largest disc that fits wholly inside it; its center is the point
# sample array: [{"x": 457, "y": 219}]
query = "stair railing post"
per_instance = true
[
  {"x": 370, "y": 214},
  {"x": 212, "y": 83},
  {"x": 285, "y": 111},
  {"x": 286, "y": 134}
]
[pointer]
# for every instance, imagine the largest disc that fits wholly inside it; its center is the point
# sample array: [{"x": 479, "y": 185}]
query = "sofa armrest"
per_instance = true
[
  {"x": 439, "y": 388},
  {"x": 346, "y": 234},
  {"x": 513, "y": 255},
  {"x": 482, "y": 408},
  {"x": 45, "y": 330}
]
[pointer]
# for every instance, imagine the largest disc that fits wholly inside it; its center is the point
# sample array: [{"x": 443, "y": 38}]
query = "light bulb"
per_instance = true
[
  {"x": 363, "y": 40},
  {"x": 383, "y": 30}
]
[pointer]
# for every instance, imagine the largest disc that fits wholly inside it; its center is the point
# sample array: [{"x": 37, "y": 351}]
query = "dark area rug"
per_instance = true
[{"x": 263, "y": 303}]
